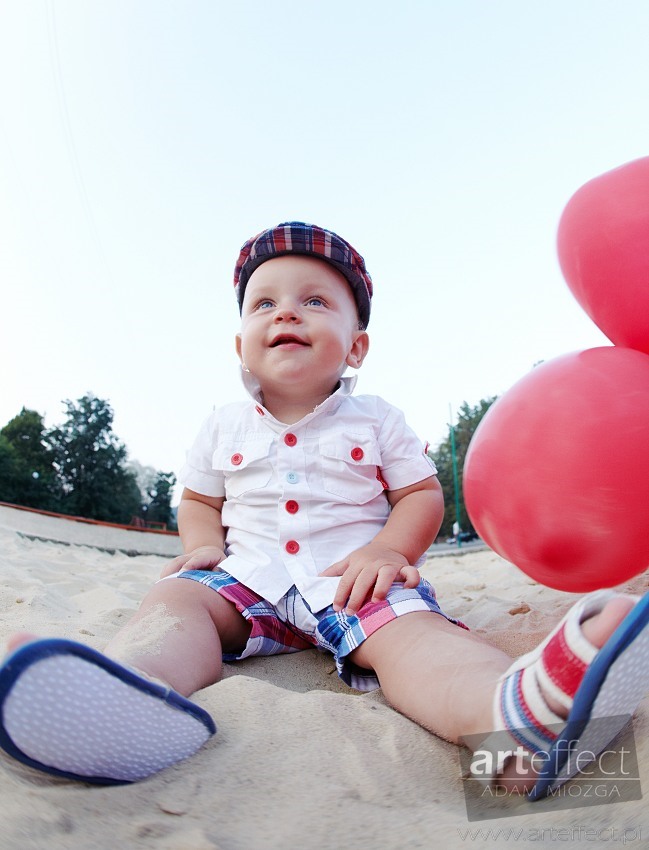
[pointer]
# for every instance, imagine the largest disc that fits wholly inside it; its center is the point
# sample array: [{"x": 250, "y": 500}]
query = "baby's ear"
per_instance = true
[
  {"x": 237, "y": 345},
  {"x": 359, "y": 349}
]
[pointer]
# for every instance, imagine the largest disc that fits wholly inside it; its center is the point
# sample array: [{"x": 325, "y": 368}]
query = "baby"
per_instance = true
[{"x": 304, "y": 515}]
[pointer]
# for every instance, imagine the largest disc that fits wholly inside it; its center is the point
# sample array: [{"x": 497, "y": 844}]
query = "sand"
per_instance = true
[{"x": 299, "y": 761}]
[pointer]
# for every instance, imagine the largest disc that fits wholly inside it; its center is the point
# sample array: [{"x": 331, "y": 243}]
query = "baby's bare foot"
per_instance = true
[{"x": 599, "y": 628}]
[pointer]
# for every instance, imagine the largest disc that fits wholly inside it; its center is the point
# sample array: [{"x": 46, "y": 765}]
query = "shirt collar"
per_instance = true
[{"x": 329, "y": 405}]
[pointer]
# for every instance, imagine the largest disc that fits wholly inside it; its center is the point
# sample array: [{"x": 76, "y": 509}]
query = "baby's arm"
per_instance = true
[
  {"x": 201, "y": 532},
  {"x": 414, "y": 521}
]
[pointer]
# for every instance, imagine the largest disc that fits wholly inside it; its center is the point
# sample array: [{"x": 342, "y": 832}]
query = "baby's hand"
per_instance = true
[
  {"x": 203, "y": 558},
  {"x": 369, "y": 570}
]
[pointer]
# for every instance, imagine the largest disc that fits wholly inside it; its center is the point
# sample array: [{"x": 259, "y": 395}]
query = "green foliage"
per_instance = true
[
  {"x": 90, "y": 461},
  {"x": 80, "y": 468},
  {"x": 9, "y": 477},
  {"x": 26, "y": 473},
  {"x": 159, "y": 508},
  {"x": 468, "y": 420}
]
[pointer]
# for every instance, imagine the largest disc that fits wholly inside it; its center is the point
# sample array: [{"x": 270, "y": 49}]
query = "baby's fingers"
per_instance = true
[
  {"x": 410, "y": 576},
  {"x": 336, "y": 569},
  {"x": 174, "y": 566},
  {"x": 346, "y": 587},
  {"x": 365, "y": 581},
  {"x": 198, "y": 562},
  {"x": 384, "y": 580}
]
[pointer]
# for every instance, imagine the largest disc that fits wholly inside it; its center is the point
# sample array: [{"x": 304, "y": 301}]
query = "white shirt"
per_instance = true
[{"x": 301, "y": 497}]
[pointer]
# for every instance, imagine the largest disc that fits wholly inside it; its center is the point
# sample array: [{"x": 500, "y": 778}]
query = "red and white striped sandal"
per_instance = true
[{"x": 599, "y": 689}]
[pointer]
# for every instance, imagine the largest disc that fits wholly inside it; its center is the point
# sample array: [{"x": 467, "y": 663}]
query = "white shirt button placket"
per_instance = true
[{"x": 292, "y": 509}]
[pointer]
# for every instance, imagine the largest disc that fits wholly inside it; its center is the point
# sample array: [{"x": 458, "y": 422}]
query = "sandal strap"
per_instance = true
[
  {"x": 564, "y": 662},
  {"x": 522, "y": 716}
]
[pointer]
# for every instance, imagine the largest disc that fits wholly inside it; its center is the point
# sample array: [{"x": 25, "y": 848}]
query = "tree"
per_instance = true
[
  {"x": 146, "y": 477},
  {"x": 27, "y": 475},
  {"x": 159, "y": 508},
  {"x": 467, "y": 421},
  {"x": 90, "y": 462},
  {"x": 9, "y": 476}
]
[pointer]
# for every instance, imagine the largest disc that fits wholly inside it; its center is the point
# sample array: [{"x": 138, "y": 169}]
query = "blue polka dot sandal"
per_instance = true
[
  {"x": 68, "y": 710},
  {"x": 598, "y": 688}
]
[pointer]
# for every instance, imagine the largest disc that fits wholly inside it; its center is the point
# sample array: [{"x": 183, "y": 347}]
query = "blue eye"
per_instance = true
[
  {"x": 315, "y": 302},
  {"x": 264, "y": 305}
]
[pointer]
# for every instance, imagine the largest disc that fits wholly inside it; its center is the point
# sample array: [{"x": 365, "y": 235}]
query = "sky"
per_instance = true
[{"x": 142, "y": 142}]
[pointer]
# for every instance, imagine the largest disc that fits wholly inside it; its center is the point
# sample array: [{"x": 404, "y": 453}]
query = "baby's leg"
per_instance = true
[
  {"x": 179, "y": 634},
  {"x": 441, "y": 676},
  {"x": 69, "y": 710},
  {"x": 444, "y": 678}
]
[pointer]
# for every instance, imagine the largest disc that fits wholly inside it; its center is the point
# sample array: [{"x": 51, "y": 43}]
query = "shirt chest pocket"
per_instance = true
[
  {"x": 350, "y": 465},
  {"x": 245, "y": 464}
]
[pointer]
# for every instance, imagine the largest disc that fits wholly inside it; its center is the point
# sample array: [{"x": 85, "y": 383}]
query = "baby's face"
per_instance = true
[{"x": 299, "y": 323}]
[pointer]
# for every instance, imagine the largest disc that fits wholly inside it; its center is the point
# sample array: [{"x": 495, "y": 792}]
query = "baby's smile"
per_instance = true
[{"x": 288, "y": 341}]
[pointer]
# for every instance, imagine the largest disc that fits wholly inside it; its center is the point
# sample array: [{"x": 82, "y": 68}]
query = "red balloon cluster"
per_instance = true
[{"x": 556, "y": 479}]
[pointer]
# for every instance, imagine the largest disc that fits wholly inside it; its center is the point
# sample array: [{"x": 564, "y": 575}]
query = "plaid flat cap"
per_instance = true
[{"x": 296, "y": 237}]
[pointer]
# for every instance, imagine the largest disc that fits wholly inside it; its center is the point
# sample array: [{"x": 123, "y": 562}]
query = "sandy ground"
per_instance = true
[{"x": 299, "y": 760}]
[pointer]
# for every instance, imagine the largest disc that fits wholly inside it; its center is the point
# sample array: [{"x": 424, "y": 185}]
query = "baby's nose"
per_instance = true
[{"x": 287, "y": 314}]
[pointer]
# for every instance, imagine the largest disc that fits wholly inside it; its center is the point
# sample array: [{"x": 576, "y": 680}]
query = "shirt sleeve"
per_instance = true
[
  {"x": 404, "y": 460},
  {"x": 197, "y": 474}
]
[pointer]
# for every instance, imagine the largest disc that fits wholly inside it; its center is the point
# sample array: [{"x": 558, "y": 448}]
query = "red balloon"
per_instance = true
[
  {"x": 603, "y": 244},
  {"x": 556, "y": 479}
]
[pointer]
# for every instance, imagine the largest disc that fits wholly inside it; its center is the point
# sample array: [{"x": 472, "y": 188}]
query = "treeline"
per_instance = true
[
  {"x": 80, "y": 468},
  {"x": 468, "y": 420}
]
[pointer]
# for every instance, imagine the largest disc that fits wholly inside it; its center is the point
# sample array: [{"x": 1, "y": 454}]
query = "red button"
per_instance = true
[
  {"x": 357, "y": 453},
  {"x": 236, "y": 459},
  {"x": 292, "y": 547},
  {"x": 290, "y": 439},
  {"x": 292, "y": 506}
]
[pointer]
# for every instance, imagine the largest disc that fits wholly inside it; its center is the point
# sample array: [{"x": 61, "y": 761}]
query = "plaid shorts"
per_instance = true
[{"x": 291, "y": 625}]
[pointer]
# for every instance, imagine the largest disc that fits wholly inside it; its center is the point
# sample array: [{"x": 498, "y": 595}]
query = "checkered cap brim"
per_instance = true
[{"x": 296, "y": 237}]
